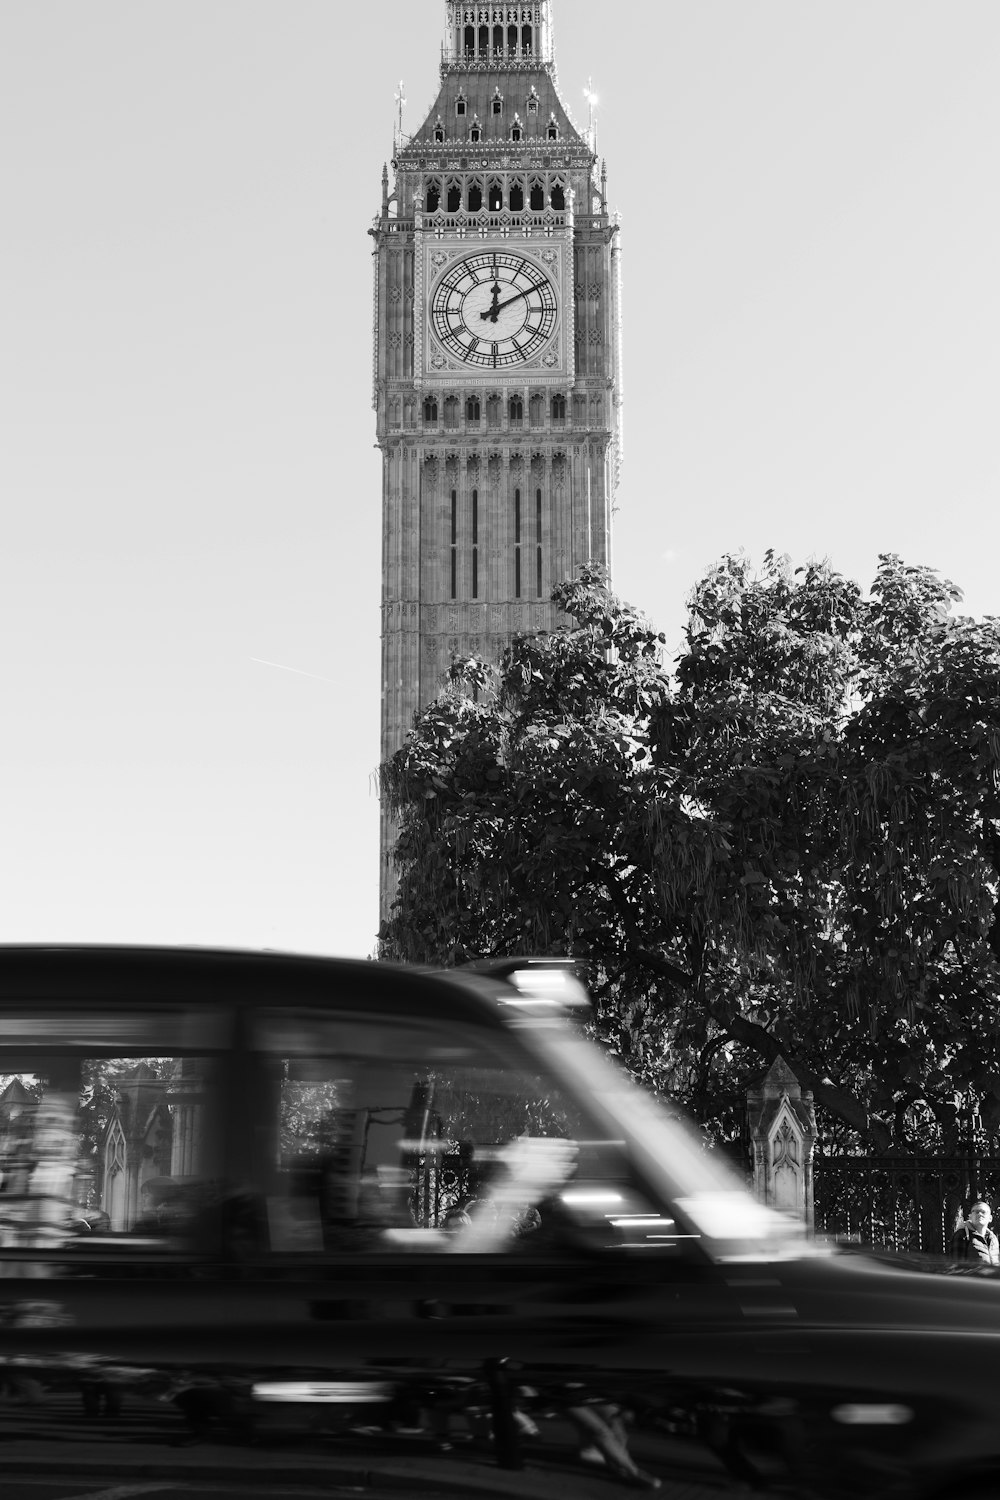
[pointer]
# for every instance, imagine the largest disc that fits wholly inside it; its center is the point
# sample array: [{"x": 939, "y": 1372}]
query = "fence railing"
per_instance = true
[{"x": 909, "y": 1203}]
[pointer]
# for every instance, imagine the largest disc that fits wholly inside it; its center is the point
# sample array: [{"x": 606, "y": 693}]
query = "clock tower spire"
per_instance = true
[{"x": 497, "y": 381}]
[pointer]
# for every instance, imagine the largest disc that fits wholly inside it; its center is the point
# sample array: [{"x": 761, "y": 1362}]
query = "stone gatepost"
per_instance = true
[{"x": 783, "y": 1131}]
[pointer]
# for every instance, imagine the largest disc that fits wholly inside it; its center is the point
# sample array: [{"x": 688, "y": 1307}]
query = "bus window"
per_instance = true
[
  {"x": 383, "y": 1134},
  {"x": 121, "y": 1150}
]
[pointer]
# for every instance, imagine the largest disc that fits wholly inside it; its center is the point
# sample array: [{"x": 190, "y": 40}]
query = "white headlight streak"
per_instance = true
[
  {"x": 335, "y": 1391},
  {"x": 872, "y": 1414}
]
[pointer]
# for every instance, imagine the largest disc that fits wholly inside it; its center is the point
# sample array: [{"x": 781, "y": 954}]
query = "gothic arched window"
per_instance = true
[
  {"x": 472, "y": 409},
  {"x": 552, "y": 131},
  {"x": 515, "y": 411},
  {"x": 454, "y": 197},
  {"x": 533, "y": 104},
  {"x": 438, "y": 134},
  {"x": 558, "y": 407},
  {"x": 460, "y": 105},
  {"x": 475, "y": 197},
  {"x": 454, "y": 544},
  {"x": 558, "y": 196},
  {"x": 432, "y": 198},
  {"x": 469, "y": 39},
  {"x": 535, "y": 410},
  {"x": 516, "y": 132},
  {"x": 495, "y": 197},
  {"x": 536, "y": 201},
  {"x": 430, "y": 409},
  {"x": 517, "y": 544},
  {"x": 496, "y": 105},
  {"x": 451, "y": 411}
]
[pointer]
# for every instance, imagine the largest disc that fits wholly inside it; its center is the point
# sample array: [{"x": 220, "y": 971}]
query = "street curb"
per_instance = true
[
  {"x": 445, "y": 1477},
  {"x": 290, "y": 1475}
]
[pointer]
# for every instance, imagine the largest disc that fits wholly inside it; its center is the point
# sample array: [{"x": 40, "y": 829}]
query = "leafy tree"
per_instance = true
[{"x": 790, "y": 843}]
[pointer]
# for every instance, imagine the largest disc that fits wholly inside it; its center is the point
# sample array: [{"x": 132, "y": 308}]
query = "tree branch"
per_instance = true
[
  {"x": 844, "y": 1105},
  {"x": 662, "y": 966}
]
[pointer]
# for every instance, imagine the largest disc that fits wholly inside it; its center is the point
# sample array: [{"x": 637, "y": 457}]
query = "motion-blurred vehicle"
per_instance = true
[{"x": 373, "y": 1203}]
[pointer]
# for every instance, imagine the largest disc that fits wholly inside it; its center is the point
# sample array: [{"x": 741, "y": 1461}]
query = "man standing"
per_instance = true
[{"x": 974, "y": 1240}]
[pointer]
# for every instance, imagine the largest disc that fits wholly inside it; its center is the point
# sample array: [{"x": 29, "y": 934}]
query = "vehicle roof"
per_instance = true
[{"x": 110, "y": 973}]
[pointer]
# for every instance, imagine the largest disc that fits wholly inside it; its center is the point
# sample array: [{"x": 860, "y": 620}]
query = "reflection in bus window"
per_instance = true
[
  {"x": 100, "y": 1148},
  {"x": 380, "y": 1134}
]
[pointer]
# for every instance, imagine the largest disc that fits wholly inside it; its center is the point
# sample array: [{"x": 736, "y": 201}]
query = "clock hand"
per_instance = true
[{"x": 491, "y": 312}]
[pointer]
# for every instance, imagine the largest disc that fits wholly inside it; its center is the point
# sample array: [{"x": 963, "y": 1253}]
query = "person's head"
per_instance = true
[{"x": 980, "y": 1215}]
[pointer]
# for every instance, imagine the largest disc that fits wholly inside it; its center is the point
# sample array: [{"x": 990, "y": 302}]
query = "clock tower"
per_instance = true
[{"x": 497, "y": 369}]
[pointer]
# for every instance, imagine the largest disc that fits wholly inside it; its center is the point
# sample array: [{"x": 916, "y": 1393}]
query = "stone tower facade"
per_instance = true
[{"x": 497, "y": 366}]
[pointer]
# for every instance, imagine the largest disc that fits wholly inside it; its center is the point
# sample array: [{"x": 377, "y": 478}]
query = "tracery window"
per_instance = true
[
  {"x": 430, "y": 409},
  {"x": 472, "y": 409},
  {"x": 558, "y": 407},
  {"x": 517, "y": 544},
  {"x": 515, "y": 411},
  {"x": 558, "y": 196},
  {"x": 536, "y": 199},
  {"x": 475, "y": 197},
  {"x": 495, "y": 197},
  {"x": 432, "y": 199}
]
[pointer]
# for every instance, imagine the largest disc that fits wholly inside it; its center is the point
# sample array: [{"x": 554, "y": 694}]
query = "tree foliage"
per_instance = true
[{"x": 787, "y": 842}]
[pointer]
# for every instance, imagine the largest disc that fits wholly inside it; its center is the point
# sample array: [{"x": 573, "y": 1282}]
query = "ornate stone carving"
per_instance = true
[{"x": 783, "y": 1132}]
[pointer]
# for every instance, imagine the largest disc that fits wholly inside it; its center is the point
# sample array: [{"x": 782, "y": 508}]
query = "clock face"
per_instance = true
[{"x": 494, "y": 309}]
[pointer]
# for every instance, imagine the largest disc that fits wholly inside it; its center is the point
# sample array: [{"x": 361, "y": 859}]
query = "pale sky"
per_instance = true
[{"x": 190, "y": 491}]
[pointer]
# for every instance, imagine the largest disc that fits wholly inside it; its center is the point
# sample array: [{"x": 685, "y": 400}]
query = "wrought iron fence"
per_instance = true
[{"x": 906, "y": 1203}]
